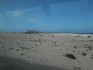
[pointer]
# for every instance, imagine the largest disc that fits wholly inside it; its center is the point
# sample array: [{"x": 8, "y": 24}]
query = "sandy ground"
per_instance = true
[
  {"x": 48, "y": 51},
  {"x": 7, "y": 63}
]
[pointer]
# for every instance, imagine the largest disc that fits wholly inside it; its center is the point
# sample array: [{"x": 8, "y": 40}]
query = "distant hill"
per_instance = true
[{"x": 33, "y": 32}]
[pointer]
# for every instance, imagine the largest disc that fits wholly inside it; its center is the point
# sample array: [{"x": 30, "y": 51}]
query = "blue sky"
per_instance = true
[{"x": 46, "y": 15}]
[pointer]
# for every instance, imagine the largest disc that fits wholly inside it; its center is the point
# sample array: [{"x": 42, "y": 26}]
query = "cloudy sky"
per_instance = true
[{"x": 46, "y": 15}]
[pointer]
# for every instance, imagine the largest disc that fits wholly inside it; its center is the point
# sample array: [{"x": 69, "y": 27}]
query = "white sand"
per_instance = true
[{"x": 50, "y": 49}]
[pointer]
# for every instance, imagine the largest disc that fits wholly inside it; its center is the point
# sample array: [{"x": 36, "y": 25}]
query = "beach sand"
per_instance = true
[{"x": 60, "y": 51}]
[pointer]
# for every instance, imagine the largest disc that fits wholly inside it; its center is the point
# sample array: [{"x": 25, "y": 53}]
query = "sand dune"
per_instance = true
[{"x": 68, "y": 51}]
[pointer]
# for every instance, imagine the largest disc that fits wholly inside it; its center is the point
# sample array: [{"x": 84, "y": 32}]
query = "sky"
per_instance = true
[{"x": 46, "y": 15}]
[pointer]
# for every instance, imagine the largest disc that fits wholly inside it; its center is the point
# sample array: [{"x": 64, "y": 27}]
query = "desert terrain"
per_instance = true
[{"x": 56, "y": 51}]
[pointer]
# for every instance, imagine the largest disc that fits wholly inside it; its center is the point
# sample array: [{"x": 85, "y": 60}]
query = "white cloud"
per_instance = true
[
  {"x": 16, "y": 13},
  {"x": 32, "y": 9},
  {"x": 32, "y": 20},
  {"x": 0, "y": 15}
]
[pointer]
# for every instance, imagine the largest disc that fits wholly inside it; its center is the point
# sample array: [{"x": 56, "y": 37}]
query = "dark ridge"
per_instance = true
[
  {"x": 70, "y": 32},
  {"x": 47, "y": 32},
  {"x": 32, "y": 32}
]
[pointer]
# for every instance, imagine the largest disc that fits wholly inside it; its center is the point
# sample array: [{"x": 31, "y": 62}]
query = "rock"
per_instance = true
[{"x": 71, "y": 56}]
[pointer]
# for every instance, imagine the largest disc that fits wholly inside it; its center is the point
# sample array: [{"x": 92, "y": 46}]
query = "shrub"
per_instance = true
[
  {"x": 89, "y": 36},
  {"x": 84, "y": 54}
]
